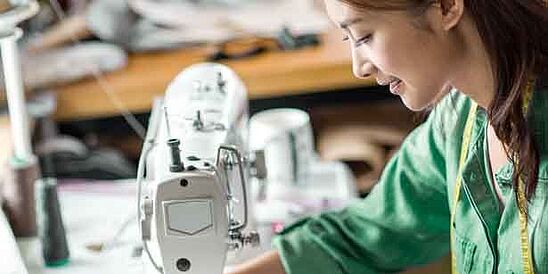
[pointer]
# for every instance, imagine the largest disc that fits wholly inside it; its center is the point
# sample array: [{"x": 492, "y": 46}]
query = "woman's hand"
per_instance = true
[{"x": 268, "y": 263}]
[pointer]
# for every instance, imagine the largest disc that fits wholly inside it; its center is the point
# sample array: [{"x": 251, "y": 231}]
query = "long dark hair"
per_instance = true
[{"x": 515, "y": 34}]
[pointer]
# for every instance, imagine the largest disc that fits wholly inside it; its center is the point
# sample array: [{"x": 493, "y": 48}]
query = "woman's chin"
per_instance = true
[{"x": 414, "y": 105}]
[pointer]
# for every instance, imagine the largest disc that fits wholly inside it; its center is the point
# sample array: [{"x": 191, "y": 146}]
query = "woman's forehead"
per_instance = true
[
  {"x": 337, "y": 10},
  {"x": 342, "y": 14}
]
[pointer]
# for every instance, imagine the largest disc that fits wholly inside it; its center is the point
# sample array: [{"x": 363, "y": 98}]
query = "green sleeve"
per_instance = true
[{"x": 403, "y": 222}]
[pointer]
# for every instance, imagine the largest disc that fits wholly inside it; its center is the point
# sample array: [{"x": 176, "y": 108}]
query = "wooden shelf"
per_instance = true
[{"x": 274, "y": 74}]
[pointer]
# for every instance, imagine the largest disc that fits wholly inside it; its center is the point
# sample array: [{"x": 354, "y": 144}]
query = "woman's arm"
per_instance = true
[
  {"x": 268, "y": 263},
  {"x": 403, "y": 222}
]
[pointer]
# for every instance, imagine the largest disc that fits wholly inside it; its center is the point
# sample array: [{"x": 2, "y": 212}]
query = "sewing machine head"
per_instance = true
[{"x": 196, "y": 206}]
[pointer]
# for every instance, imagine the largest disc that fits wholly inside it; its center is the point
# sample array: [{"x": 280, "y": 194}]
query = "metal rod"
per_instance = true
[
  {"x": 236, "y": 152},
  {"x": 15, "y": 94}
]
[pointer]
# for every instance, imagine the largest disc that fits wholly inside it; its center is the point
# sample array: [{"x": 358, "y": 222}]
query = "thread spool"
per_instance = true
[{"x": 50, "y": 224}]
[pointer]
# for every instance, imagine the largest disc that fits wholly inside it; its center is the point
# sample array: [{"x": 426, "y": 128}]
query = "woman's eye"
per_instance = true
[{"x": 364, "y": 40}]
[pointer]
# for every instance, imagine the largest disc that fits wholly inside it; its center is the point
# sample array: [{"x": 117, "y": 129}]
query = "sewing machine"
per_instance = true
[{"x": 195, "y": 206}]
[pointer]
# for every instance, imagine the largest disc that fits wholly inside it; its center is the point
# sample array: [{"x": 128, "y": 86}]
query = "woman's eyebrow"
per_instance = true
[{"x": 346, "y": 23}]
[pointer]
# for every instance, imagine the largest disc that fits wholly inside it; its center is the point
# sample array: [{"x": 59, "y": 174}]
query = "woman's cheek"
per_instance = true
[{"x": 387, "y": 64}]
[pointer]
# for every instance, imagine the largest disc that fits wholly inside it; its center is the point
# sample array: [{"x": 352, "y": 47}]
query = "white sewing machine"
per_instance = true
[
  {"x": 196, "y": 203},
  {"x": 195, "y": 208}
]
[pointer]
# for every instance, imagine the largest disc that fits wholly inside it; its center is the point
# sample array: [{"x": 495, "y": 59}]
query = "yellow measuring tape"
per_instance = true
[
  {"x": 463, "y": 155},
  {"x": 522, "y": 201}
]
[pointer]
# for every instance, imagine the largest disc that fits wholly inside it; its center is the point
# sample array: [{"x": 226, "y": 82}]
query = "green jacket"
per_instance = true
[{"x": 405, "y": 220}]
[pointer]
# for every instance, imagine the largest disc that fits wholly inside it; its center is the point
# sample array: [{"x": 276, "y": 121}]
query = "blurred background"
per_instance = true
[{"x": 92, "y": 68}]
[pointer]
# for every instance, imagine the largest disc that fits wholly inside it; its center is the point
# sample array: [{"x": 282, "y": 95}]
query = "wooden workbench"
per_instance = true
[{"x": 274, "y": 74}]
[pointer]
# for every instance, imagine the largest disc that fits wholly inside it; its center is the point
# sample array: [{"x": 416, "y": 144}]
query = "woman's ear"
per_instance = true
[{"x": 452, "y": 11}]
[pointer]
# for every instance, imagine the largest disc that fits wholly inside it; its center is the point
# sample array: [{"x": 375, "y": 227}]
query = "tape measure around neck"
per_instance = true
[
  {"x": 463, "y": 155},
  {"x": 527, "y": 259},
  {"x": 526, "y": 256}
]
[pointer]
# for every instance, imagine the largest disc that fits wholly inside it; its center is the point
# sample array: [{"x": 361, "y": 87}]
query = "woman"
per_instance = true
[{"x": 473, "y": 178}]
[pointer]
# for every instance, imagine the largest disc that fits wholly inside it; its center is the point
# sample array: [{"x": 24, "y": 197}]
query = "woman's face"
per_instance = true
[{"x": 413, "y": 57}]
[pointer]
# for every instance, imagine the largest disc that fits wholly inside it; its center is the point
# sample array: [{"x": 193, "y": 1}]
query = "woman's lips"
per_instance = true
[{"x": 395, "y": 87}]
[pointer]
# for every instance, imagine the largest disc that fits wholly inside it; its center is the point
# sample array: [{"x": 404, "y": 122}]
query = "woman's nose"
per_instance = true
[
  {"x": 363, "y": 70},
  {"x": 361, "y": 67}
]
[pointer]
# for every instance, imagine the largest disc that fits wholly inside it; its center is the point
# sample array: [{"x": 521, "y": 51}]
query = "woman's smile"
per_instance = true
[{"x": 396, "y": 87}]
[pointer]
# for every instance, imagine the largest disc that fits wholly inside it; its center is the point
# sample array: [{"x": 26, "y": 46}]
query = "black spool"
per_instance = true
[{"x": 50, "y": 224}]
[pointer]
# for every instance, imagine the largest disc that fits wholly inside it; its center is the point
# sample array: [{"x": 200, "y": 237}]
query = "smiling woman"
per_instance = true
[
  {"x": 390, "y": 46},
  {"x": 473, "y": 179},
  {"x": 491, "y": 61}
]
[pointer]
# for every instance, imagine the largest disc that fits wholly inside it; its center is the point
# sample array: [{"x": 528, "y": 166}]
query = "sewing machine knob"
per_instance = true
[
  {"x": 176, "y": 163},
  {"x": 253, "y": 239},
  {"x": 183, "y": 264}
]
